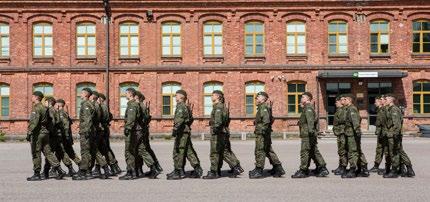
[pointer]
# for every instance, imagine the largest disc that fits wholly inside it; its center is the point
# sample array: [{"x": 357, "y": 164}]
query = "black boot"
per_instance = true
[
  {"x": 375, "y": 168},
  {"x": 127, "y": 176},
  {"x": 279, "y": 171},
  {"x": 60, "y": 173},
  {"x": 35, "y": 177},
  {"x": 197, "y": 172},
  {"x": 235, "y": 171},
  {"x": 340, "y": 171},
  {"x": 176, "y": 175},
  {"x": 211, "y": 175},
  {"x": 403, "y": 171},
  {"x": 410, "y": 172},
  {"x": 106, "y": 173},
  {"x": 350, "y": 174},
  {"x": 117, "y": 169},
  {"x": 139, "y": 172},
  {"x": 392, "y": 174},
  {"x": 45, "y": 174},
  {"x": 300, "y": 174},
  {"x": 322, "y": 172},
  {"x": 158, "y": 167},
  {"x": 81, "y": 175},
  {"x": 97, "y": 172},
  {"x": 364, "y": 172},
  {"x": 72, "y": 171},
  {"x": 336, "y": 170},
  {"x": 256, "y": 173},
  {"x": 153, "y": 172}
]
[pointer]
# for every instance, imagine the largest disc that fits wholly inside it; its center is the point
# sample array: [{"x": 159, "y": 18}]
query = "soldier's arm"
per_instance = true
[
  {"x": 34, "y": 121},
  {"x": 131, "y": 117},
  {"x": 65, "y": 122},
  {"x": 217, "y": 124},
  {"x": 310, "y": 120},
  {"x": 397, "y": 121},
  {"x": 179, "y": 119},
  {"x": 265, "y": 120},
  {"x": 355, "y": 119},
  {"x": 86, "y": 117}
]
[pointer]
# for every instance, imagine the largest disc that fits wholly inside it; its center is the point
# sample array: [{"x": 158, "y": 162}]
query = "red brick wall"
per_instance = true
[{"x": 192, "y": 70}]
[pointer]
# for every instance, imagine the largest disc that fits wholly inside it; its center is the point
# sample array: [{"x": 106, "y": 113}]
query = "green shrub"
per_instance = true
[{"x": 2, "y": 136}]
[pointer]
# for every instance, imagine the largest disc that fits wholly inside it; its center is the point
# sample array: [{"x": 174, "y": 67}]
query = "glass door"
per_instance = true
[
  {"x": 332, "y": 91},
  {"x": 373, "y": 90}
]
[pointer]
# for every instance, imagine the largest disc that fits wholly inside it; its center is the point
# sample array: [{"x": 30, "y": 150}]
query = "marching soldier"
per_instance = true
[
  {"x": 394, "y": 135},
  {"x": 263, "y": 142},
  {"x": 339, "y": 132},
  {"x": 183, "y": 147},
  {"x": 308, "y": 134},
  {"x": 381, "y": 142},
  {"x": 220, "y": 144},
  {"x": 38, "y": 136}
]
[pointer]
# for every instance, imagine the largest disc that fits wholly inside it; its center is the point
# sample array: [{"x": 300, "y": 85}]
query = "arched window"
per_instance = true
[
  {"x": 379, "y": 37},
  {"x": 168, "y": 91},
  {"x": 294, "y": 94},
  {"x": 251, "y": 90},
  {"x": 122, "y": 97},
  {"x": 46, "y": 88},
  {"x": 212, "y": 38},
  {"x": 296, "y": 38},
  {"x": 208, "y": 88},
  {"x": 4, "y": 40},
  {"x": 129, "y": 40},
  {"x": 171, "y": 39},
  {"x": 42, "y": 40},
  {"x": 4, "y": 100},
  {"x": 421, "y": 36},
  {"x": 421, "y": 97},
  {"x": 86, "y": 40},
  {"x": 79, "y": 88},
  {"x": 338, "y": 37},
  {"x": 254, "y": 38}
]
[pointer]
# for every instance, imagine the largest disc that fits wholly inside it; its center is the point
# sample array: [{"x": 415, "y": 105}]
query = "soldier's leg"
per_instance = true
[
  {"x": 343, "y": 153},
  {"x": 305, "y": 154},
  {"x": 403, "y": 156},
  {"x": 379, "y": 152},
  {"x": 68, "y": 149},
  {"x": 148, "y": 146},
  {"x": 137, "y": 156},
  {"x": 191, "y": 153},
  {"x": 129, "y": 151},
  {"x": 270, "y": 154},
  {"x": 47, "y": 152},
  {"x": 144, "y": 155},
  {"x": 352, "y": 152},
  {"x": 179, "y": 151},
  {"x": 214, "y": 154},
  {"x": 229, "y": 156},
  {"x": 85, "y": 152},
  {"x": 36, "y": 152},
  {"x": 260, "y": 154},
  {"x": 317, "y": 154}
]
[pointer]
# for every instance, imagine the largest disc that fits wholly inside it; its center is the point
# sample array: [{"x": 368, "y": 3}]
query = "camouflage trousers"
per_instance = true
[
  {"x": 40, "y": 144},
  {"x": 183, "y": 148},
  {"x": 381, "y": 151},
  {"x": 355, "y": 155},
  {"x": 89, "y": 151},
  {"x": 341, "y": 150},
  {"x": 144, "y": 136},
  {"x": 396, "y": 152},
  {"x": 105, "y": 149},
  {"x": 309, "y": 150},
  {"x": 63, "y": 150},
  {"x": 263, "y": 149},
  {"x": 221, "y": 151}
]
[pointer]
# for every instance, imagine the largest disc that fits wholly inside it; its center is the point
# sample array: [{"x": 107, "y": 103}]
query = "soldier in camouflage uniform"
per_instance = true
[
  {"x": 132, "y": 116},
  {"x": 220, "y": 144},
  {"x": 263, "y": 142},
  {"x": 105, "y": 122},
  {"x": 309, "y": 135},
  {"x": 394, "y": 122},
  {"x": 183, "y": 147},
  {"x": 339, "y": 132},
  {"x": 87, "y": 116},
  {"x": 381, "y": 142},
  {"x": 356, "y": 158},
  {"x": 38, "y": 136}
]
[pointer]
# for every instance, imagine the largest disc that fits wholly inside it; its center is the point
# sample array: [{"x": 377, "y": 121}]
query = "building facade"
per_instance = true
[{"x": 238, "y": 46}]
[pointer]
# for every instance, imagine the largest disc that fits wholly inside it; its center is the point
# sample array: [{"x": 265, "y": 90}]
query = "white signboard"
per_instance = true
[{"x": 367, "y": 74}]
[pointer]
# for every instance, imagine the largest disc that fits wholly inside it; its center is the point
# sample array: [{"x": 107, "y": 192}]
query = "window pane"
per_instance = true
[
  {"x": 217, "y": 28},
  {"x": 208, "y": 50},
  {"x": 218, "y": 50},
  {"x": 91, "y": 41},
  {"x": 207, "y": 28},
  {"x": 291, "y": 99},
  {"x": 48, "y": 51},
  {"x": 91, "y": 50},
  {"x": 166, "y": 89},
  {"x": 176, "y": 29},
  {"x": 300, "y": 28},
  {"x": 38, "y": 51},
  {"x": 134, "y": 41},
  {"x": 342, "y": 27},
  {"x": 134, "y": 51},
  {"x": 332, "y": 27},
  {"x": 291, "y": 27},
  {"x": 427, "y": 99},
  {"x": 301, "y": 49},
  {"x": 249, "y": 109},
  {"x": 123, "y": 29},
  {"x": 37, "y": 29},
  {"x": 426, "y": 47},
  {"x": 259, "y": 39},
  {"x": 176, "y": 41},
  {"x": 5, "y": 106},
  {"x": 384, "y": 48},
  {"x": 4, "y": 91},
  {"x": 249, "y": 40},
  {"x": 4, "y": 29},
  {"x": 343, "y": 39},
  {"x": 291, "y": 40},
  {"x": 166, "y": 41},
  {"x": 426, "y": 37},
  {"x": 300, "y": 87},
  {"x": 48, "y": 41},
  {"x": 207, "y": 40},
  {"x": 425, "y": 26},
  {"x": 416, "y": 26},
  {"x": 291, "y": 49},
  {"x": 218, "y": 40},
  {"x": 374, "y": 38},
  {"x": 426, "y": 86},
  {"x": 374, "y": 48},
  {"x": 291, "y": 108},
  {"x": 207, "y": 101},
  {"x": 81, "y": 41},
  {"x": 208, "y": 110},
  {"x": 332, "y": 48},
  {"x": 292, "y": 88},
  {"x": 343, "y": 49},
  {"x": 249, "y": 28},
  {"x": 47, "y": 29},
  {"x": 259, "y": 49},
  {"x": 259, "y": 28},
  {"x": 427, "y": 108},
  {"x": 176, "y": 50},
  {"x": 166, "y": 51},
  {"x": 332, "y": 38},
  {"x": 301, "y": 39},
  {"x": 249, "y": 50},
  {"x": 384, "y": 39},
  {"x": 249, "y": 99},
  {"x": 91, "y": 29},
  {"x": 417, "y": 99},
  {"x": 259, "y": 88},
  {"x": 5, "y": 41},
  {"x": 37, "y": 41},
  {"x": 416, "y": 47},
  {"x": 417, "y": 108},
  {"x": 374, "y": 27},
  {"x": 166, "y": 100},
  {"x": 134, "y": 29}
]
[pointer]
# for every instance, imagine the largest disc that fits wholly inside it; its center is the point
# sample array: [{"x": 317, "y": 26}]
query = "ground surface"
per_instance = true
[{"x": 15, "y": 162}]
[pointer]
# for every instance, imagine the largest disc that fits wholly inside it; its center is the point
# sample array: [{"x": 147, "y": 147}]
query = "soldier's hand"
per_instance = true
[
  {"x": 126, "y": 132},
  {"x": 28, "y": 138}
]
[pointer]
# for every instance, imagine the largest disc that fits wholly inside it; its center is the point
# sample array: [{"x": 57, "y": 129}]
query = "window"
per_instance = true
[
  {"x": 295, "y": 91},
  {"x": 212, "y": 39},
  {"x": 254, "y": 38},
  {"x": 42, "y": 40},
  {"x": 129, "y": 40},
  {"x": 4, "y": 100},
  {"x": 171, "y": 39},
  {"x": 168, "y": 96},
  {"x": 86, "y": 40},
  {"x": 122, "y": 97},
  {"x": 251, "y": 91},
  {"x": 338, "y": 37},
  {"x": 46, "y": 88},
  {"x": 379, "y": 37},
  {"x": 4, "y": 40},
  {"x": 296, "y": 38},
  {"x": 207, "y": 96},
  {"x": 79, "y": 88},
  {"x": 421, "y": 97},
  {"x": 421, "y": 36}
]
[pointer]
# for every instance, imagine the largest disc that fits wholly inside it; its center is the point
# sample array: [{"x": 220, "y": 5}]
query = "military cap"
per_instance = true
[
  {"x": 218, "y": 92},
  {"x": 308, "y": 94},
  {"x": 102, "y": 96},
  {"x": 262, "y": 93},
  {"x": 88, "y": 90},
  {"x": 61, "y": 101},
  {"x": 348, "y": 95},
  {"x": 132, "y": 91},
  {"x": 38, "y": 94},
  {"x": 390, "y": 95},
  {"x": 378, "y": 97},
  {"x": 140, "y": 95},
  {"x": 96, "y": 94},
  {"x": 338, "y": 97},
  {"x": 182, "y": 92}
]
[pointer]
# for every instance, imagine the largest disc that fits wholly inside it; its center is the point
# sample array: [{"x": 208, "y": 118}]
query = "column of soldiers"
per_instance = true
[{"x": 49, "y": 132}]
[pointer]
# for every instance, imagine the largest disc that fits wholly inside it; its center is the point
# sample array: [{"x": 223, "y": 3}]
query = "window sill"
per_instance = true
[
  {"x": 376, "y": 56},
  {"x": 213, "y": 58},
  {"x": 5, "y": 60},
  {"x": 420, "y": 56},
  {"x": 296, "y": 57},
  {"x": 171, "y": 59},
  {"x": 338, "y": 57},
  {"x": 418, "y": 116},
  {"x": 86, "y": 60},
  {"x": 43, "y": 60},
  {"x": 129, "y": 60},
  {"x": 255, "y": 59}
]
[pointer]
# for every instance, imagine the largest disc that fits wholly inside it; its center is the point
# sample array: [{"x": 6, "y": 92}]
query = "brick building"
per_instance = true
[{"x": 240, "y": 46}]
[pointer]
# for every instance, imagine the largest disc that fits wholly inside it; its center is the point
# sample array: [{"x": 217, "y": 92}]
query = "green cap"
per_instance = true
[{"x": 182, "y": 92}]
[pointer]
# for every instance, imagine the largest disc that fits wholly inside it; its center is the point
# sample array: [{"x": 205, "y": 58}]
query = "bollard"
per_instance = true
[
  {"x": 243, "y": 136},
  {"x": 284, "y": 135},
  {"x": 202, "y": 136}
]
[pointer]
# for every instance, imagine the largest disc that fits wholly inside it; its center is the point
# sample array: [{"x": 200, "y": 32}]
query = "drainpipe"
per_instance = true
[{"x": 106, "y": 21}]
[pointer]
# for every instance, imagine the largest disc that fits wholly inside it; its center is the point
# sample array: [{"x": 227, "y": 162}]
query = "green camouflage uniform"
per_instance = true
[
  {"x": 143, "y": 136},
  {"x": 142, "y": 153},
  {"x": 308, "y": 134},
  {"x": 263, "y": 139},
  {"x": 105, "y": 122},
  {"x": 132, "y": 116},
  {"x": 339, "y": 132},
  {"x": 38, "y": 130},
  {"x": 381, "y": 143},
  {"x": 183, "y": 147},
  {"x": 64, "y": 123},
  {"x": 353, "y": 138}
]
